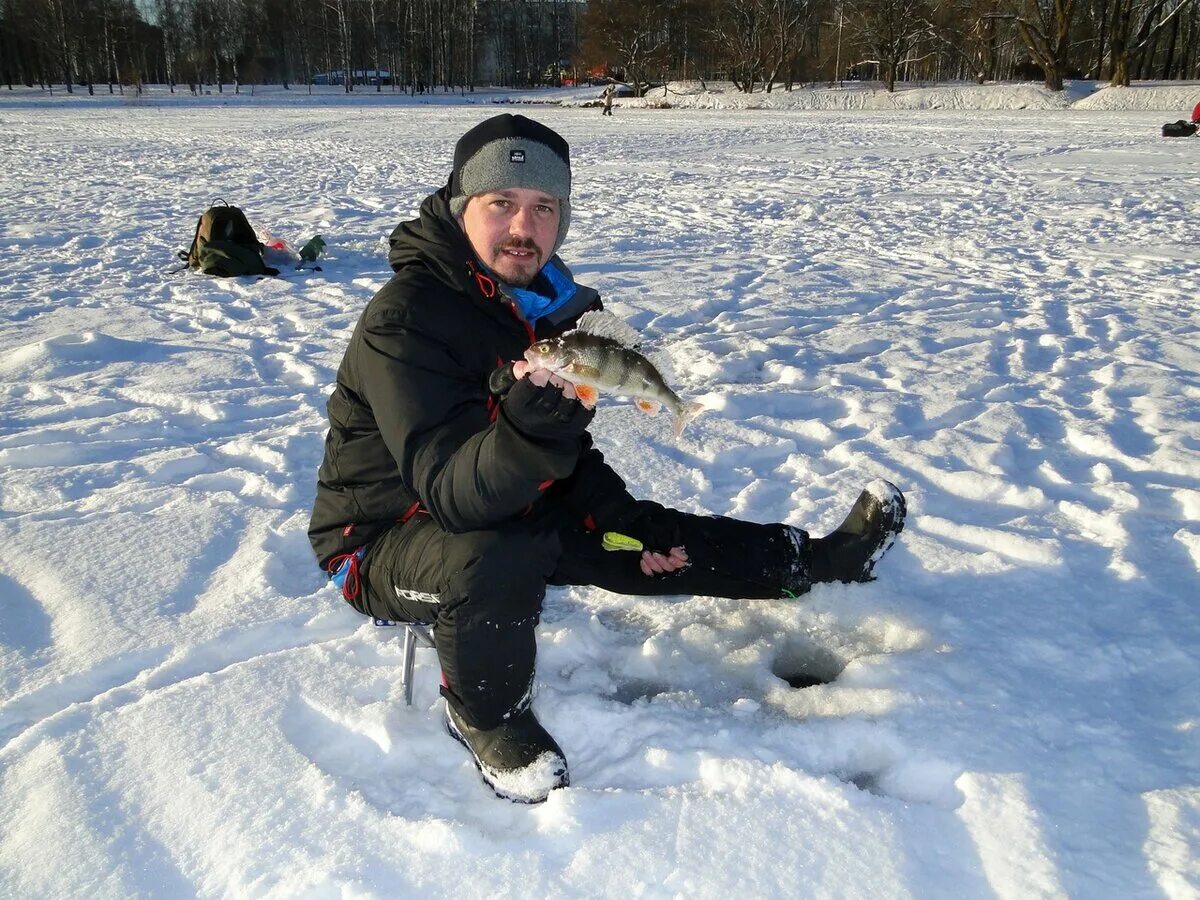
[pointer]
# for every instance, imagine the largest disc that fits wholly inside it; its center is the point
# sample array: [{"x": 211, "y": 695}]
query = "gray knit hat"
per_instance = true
[{"x": 508, "y": 151}]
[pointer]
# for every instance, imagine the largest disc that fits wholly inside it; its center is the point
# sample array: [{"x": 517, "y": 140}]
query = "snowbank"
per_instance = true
[
  {"x": 862, "y": 97},
  {"x": 1076, "y": 95},
  {"x": 1166, "y": 96},
  {"x": 850, "y": 97}
]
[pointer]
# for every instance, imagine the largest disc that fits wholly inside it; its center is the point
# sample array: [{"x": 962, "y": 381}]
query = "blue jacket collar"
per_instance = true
[{"x": 551, "y": 291}]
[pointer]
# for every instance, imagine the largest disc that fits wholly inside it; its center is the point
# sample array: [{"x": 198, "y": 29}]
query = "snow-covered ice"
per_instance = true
[{"x": 995, "y": 310}]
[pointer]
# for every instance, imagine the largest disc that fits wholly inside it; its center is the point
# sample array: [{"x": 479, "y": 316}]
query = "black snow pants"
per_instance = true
[{"x": 483, "y": 590}]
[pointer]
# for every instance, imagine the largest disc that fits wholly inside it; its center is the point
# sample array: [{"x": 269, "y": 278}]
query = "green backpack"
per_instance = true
[{"x": 226, "y": 245}]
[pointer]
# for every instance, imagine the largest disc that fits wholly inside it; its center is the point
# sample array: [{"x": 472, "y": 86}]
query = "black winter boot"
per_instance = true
[
  {"x": 518, "y": 759},
  {"x": 851, "y": 551}
]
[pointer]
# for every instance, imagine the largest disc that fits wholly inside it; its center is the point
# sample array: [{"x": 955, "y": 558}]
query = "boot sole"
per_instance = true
[
  {"x": 895, "y": 511},
  {"x": 453, "y": 731}
]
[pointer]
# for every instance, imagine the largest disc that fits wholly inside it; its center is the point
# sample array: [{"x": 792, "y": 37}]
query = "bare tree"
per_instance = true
[
  {"x": 759, "y": 38},
  {"x": 301, "y": 24},
  {"x": 63, "y": 46},
  {"x": 1135, "y": 25},
  {"x": 631, "y": 33},
  {"x": 890, "y": 30},
  {"x": 169, "y": 26},
  {"x": 741, "y": 26},
  {"x": 790, "y": 24},
  {"x": 374, "y": 8},
  {"x": 112, "y": 68},
  {"x": 1045, "y": 28},
  {"x": 968, "y": 31},
  {"x": 345, "y": 31}
]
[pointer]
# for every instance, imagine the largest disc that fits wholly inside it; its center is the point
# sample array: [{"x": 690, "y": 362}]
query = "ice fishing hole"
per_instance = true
[
  {"x": 805, "y": 665},
  {"x": 865, "y": 781},
  {"x": 639, "y": 689}
]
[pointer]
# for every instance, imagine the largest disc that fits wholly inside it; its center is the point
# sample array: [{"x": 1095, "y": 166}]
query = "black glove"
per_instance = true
[
  {"x": 544, "y": 412},
  {"x": 502, "y": 379},
  {"x": 655, "y": 526}
]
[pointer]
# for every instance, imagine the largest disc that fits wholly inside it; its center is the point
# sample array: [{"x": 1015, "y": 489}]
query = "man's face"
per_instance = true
[{"x": 512, "y": 231}]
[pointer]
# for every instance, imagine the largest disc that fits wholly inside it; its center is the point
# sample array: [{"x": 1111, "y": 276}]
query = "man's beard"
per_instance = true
[{"x": 518, "y": 244}]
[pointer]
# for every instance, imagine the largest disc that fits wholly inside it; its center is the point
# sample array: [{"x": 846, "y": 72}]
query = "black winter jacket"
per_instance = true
[{"x": 412, "y": 419}]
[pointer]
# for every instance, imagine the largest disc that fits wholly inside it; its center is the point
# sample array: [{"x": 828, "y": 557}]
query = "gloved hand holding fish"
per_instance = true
[{"x": 600, "y": 356}]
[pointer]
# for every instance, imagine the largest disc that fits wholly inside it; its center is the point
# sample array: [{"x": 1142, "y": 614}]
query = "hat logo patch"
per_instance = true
[{"x": 517, "y": 156}]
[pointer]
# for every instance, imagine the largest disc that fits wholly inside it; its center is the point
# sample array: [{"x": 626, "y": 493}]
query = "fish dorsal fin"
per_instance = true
[{"x": 602, "y": 323}]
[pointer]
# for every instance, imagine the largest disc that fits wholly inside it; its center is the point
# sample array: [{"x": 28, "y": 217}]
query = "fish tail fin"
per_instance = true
[{"x": 685, "y": 415}]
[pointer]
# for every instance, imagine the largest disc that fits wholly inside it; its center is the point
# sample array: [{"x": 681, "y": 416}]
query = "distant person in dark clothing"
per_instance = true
[{"x": 457, "y": 484}]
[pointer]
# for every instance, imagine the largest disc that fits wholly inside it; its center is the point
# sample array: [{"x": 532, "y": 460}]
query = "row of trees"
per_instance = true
[
  {"x": 398, "y": 44},
  {"x": 419, "y": 44},
  {"x": 761, "y": 43}
]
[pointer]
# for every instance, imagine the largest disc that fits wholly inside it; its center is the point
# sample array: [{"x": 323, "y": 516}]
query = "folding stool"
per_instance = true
[{"x": 413, "y": 632}]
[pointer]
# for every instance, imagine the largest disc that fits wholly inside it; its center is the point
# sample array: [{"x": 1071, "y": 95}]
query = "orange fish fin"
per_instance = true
[
  {"x": 587, "y": 394},
  {"x": 648, "y": 406}
]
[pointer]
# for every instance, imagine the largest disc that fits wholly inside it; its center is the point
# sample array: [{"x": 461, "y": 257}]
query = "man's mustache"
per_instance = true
[{"x": 519, "y": 244}]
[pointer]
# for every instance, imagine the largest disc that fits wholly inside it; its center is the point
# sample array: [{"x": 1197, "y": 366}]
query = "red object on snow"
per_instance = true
[{"x": 1196, "y": 113}]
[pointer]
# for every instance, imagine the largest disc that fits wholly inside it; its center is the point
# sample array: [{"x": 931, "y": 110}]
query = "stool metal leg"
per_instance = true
[
  {"x": 406, "y": 661},
  {"x": 412, "y": 633}
]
